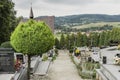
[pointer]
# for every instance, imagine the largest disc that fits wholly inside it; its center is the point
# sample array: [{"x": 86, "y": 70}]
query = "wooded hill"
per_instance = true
[{"x": 76, "y": 20}]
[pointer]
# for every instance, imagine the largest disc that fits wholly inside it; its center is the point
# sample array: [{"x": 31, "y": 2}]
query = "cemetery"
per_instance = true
[
  {"x": 8, "y": 70},
  {"x": 85, "y": 66},
  {"x": 109, "y": 70},
  {"x": 83, "y": 46},
  {"x": 6, "y": 60}
]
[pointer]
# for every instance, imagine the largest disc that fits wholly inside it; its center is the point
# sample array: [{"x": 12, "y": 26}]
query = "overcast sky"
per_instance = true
[{"x": 66, "y": 7}]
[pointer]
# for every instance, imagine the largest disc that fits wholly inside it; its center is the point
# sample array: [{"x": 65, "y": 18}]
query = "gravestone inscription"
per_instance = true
[{"x": 6, "y": 60}]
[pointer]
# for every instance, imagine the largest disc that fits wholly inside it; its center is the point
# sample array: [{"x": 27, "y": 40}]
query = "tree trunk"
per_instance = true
[{"x": 28, "y": 69}]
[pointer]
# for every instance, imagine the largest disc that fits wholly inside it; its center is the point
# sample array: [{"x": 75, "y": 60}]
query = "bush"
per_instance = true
[
  {"x": 71, "y": 51},
  {"x": 6, "y": 44},
  {"x": 54, "y": 57},
  {"x": 56, "y": 51},
  {"x": 45, "y": 57}
]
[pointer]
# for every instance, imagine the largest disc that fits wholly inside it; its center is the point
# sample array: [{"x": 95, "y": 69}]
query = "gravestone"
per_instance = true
[
  {"x": 104, "y": 60},
  {"x": 6, "y": 60},
  {"x": 20, "y": 56}
]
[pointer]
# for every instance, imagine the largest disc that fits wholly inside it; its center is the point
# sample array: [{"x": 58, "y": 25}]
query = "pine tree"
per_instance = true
[
  {"x": 57, "y": 43},
  {"x": 67, "y": 41},
  {"x": 62, "y": 41}
]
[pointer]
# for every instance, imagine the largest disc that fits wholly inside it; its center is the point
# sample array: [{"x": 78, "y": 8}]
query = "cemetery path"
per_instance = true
[{"x": 63, "y": 68}]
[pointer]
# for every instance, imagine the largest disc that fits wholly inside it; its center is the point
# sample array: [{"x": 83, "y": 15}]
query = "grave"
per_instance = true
[
  {"x": 6, "y": 60},
  {"x": 20, "y": 56}
]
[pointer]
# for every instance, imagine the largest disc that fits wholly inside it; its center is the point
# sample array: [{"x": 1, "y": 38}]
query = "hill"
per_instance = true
[
  {"x": 76, "y": 20},
  {"x": 99, "y": 24}
]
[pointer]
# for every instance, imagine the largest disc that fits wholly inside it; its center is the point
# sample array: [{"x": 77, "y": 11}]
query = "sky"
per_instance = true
[{"x": 66, "y": 7}]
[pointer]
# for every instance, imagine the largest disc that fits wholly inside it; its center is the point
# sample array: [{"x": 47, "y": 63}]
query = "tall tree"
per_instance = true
[
  {"x": 32, "y": 38},
  {"x": 102, "y": 39},
  {"x": 67, "y": 39},
  {"x": 57, "y": 43},
  {"x": 84, "y": 40},
  {"x": 7, "y": 19},
  {"x": 79, "y": 39},
  {"x": 107, "y": 38},
  {"x": 72, "y": 40},
  {"x": 62, "y": 41},
  {"x": 94, "y": 39}
]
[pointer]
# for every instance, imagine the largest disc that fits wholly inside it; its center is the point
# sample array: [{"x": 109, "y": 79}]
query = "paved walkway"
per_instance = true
[{"x": 63, "y": 68}]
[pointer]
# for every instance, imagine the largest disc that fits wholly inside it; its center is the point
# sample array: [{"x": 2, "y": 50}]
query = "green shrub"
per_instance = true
[
  {"x": 6, "y": 44},
  {"x": 85, "y": 75},
  {"x": 71, "y": 51},
  {"x": 56, "y": 51},
  {"x": 45, "y": 57},
  {"x": 54, "y": 57}
]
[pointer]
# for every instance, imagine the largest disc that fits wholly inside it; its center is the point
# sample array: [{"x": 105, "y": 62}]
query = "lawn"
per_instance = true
[{"x": 100, "y": 24}]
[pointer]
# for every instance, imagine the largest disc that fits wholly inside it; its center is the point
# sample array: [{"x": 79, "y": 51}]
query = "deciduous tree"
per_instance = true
[
  {"x": 32, "y": 38},
  {"x": 7, "y": 19}
]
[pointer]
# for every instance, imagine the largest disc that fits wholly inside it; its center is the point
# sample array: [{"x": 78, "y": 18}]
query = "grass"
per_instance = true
[{"x": 100, "y": 24}]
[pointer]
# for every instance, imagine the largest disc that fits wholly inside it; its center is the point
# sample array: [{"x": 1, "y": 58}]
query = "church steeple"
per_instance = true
[{"x": 31, "y": 13}]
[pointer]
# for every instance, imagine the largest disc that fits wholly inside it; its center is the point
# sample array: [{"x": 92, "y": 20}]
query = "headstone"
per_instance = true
[
  {"x": 6, "y": 60},
  {"x": 20, "y": 56},
  {"x": 89, "y": 59},
  {"x": 104, "y": 59},
  {"x": 51, "y": 53}
]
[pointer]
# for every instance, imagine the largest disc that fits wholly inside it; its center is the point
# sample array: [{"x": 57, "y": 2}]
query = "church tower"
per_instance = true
[{"x": 31, "y": 13}]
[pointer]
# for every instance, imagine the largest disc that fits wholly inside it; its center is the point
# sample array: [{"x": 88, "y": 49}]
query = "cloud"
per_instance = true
[
  {"x": 24, "y": 4},
  {"x": 70, "y": 2},
  {"x": 67, "y": 7}
]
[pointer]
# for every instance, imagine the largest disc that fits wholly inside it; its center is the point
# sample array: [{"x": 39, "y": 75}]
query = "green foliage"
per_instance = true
[
  {"x": 92, "y": 27},
  {"x": 94, "y": 39},
  {"x": 79, "y": 39},
  {"x": 84, "y": 40},
  {"x": 6, "y": 45},
  {"x": 90, "y": 71},
  {"x": 72, "y": 40},
  {"x": 77, "y": 20},
  {"x": 45, "y": 57},
  {"x": 108, "y": 36},
  {"x": 71, "y": 51},
  {"x": 115, "y": 34},
  {"x": 86, "y": 70},
  {"x": 67, "y": 39},
  {"x": 62, "y": 41},
  {"x": 54, "y": 57},
  {"x": 7, "y": 19},
  {"x": 57, "y": 43},
  {"x": 32, "y": 38},
  {"x": 56, "y": 51},
  {"x": 56, "y": 54},
  {"x": 91, "y": 66}
]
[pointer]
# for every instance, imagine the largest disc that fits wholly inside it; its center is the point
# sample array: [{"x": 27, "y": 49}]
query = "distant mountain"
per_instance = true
[{"x": 75, "y": 20}]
